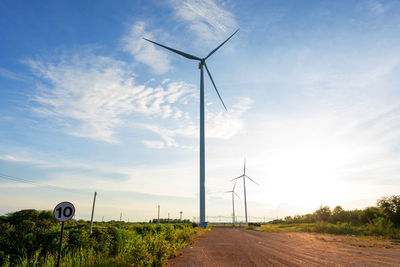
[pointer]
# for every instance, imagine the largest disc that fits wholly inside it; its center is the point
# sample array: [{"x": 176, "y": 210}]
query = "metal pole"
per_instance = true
[
  {"x": 158, "y": 218},
  {"x": 233, "y": 207},
  {"x": 245, "y": 201},
  {"x": 120, "y": 217},
  {"x": 91, "y": 219},
  {"x": 59, "y": 249},
  {"x": 202, "y": 148},
  {"x": 168, "y": 216},
  {"x": 181, "y": 215}
]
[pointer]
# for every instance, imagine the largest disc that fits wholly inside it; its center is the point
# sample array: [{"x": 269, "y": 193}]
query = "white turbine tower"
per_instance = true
[
  {"x": 244, "y": 176},
  {"x": 202, "y": 64},
  {"x": 233, "y": 202}
]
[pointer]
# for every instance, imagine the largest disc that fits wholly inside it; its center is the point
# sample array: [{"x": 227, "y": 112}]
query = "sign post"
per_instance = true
[{"x": 63, "y": 212}]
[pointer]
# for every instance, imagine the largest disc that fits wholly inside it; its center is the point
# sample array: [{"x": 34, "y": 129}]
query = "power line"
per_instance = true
[
  {"x": 38, "y": 184},
  {"x": 44, "y": 185}
]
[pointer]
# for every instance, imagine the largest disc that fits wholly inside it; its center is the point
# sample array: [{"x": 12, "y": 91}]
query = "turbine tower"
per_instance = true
[
  {"x": 202, "y": 64},
  {"x": 244, "y": 176},
  {"x": 233, "y": 202}
]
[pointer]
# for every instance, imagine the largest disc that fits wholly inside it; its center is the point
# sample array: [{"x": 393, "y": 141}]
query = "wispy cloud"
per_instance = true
[
  {"x": 73, "y": 174},
  {"x": 89, "y": 94},
  {"x": 153, "y": 144},
  {"x": 219, "y": 125},
  {"x": 375, "y": 7},
  {"x": 205, "y": 18},
  {"x": 144, "y": 52},
  {"x": 12, "y": 75}
]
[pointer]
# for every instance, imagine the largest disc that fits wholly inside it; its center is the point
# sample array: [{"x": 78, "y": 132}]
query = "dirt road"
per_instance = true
[{"x": 239, "y": 247}]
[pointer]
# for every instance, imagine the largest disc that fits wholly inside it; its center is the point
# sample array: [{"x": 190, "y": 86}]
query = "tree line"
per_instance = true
[{"x": 387, "y": 208}]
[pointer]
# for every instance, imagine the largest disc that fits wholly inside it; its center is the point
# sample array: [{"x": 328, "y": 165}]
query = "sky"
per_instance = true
[{"x": 311, "y": 87}]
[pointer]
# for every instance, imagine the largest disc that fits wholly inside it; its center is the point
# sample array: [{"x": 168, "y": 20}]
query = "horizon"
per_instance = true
[{"x": 87, "y": 105}]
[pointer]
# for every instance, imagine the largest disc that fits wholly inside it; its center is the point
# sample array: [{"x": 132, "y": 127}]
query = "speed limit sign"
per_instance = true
[{"x": 64, "y": 211}]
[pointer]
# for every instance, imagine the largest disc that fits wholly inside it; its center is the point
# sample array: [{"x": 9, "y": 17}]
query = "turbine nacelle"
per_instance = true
[{"x": 202, "y": 60}]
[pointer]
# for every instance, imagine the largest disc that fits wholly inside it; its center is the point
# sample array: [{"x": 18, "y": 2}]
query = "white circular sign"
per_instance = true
[{"x": 64, "y": 211}]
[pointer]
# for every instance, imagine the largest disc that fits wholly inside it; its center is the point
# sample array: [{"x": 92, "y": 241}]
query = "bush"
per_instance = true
[{"x": 30, "y": 238}]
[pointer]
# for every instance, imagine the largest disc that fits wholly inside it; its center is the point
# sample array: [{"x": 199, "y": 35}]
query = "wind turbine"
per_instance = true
[
  {"x": 202, "y": 64},
  {"x": 244, "y": 176},
  {"x": 233, "y": 202}
]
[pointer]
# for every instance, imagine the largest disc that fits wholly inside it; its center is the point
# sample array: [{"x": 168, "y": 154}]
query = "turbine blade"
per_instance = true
[
  {"x": 234, "y": 187},
  {"x": 252, "y": 180},
  {"x": 237, "y": 195},
  {"x": 212, "y": 52},
  {"x": 175, "y": 51},
  {"x": 228, "y": 192},
  {"x": 244, "y": 166},
  {"x": 215, "y": 87},
  {"x": 237, "y": 177}
]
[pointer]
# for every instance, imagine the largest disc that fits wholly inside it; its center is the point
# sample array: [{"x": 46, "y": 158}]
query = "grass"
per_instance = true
[
  {"x": 295, "y": 227},
  {"x": 370, "y": 235}
]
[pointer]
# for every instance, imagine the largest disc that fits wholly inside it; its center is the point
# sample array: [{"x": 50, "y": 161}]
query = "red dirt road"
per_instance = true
[{"x": 239, "y": 247}]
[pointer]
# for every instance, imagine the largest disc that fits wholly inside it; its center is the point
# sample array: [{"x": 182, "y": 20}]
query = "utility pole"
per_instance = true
[
  {"x": 168, "y": 216},
  {"x": 91, "y": 219},
  {"x": 181, "y": 215},
  {"x": 158, "y": 217},
  {"x": 120, "y": 217}
]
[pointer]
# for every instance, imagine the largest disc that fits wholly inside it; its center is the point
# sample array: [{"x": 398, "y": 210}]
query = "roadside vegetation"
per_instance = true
[
  {"x": 31, "y": 238},
  {"x": 382, "y": 220}
]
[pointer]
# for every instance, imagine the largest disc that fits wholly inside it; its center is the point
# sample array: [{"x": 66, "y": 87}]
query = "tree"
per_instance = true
[
  {"x": 369, "y": 214},
  {"x": 391, "y": 207},
  {"x": 338, "y": 215},
  {"x": 323, "y": 213}
]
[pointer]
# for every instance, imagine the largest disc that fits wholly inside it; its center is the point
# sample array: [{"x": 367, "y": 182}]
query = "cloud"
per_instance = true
[
  {"x": 205, "y": 18},
  {"x": 88, "y": 95},
  {"x": 77, "y": 175},
  {"x": 153, "y": 144},
  {"x": 219, "y": 125},
  {"x": 375, "y": 7},
  {"x": 12, "y": 75},
  {"x": 144, "y": 51}
]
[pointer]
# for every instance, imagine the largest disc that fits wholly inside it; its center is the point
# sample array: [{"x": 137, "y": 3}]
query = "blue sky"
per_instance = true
[{"x": 312, "y": 90}]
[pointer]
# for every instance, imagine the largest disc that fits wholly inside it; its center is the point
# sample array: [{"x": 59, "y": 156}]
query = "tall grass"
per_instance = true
[{"x": 378, "y": 227}]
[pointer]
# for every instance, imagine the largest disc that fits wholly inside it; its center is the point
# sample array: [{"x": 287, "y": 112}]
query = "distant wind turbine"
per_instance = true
[
  {"x": 244, "y": 176},
  {"x": 233, "y": 202},
  {"x": 202, "y": 64}
]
